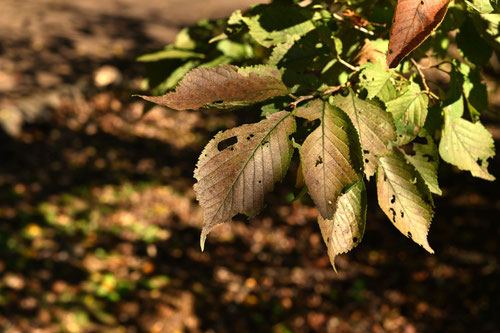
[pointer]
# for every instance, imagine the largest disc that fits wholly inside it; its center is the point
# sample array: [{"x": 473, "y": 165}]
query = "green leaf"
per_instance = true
[
  {"x": 223, "y": 87},
  {"x": 481, "y": 6},
  {"x": 377, "y": 81},
  {"x": 464, "y": 144},
  {"x": 374, "y": 126},
  {"x": 239, "y": 166},
  {"x": 409, "y": 111},
  {"x": 174, "y": 78},
  {"x": 267, "y": 30},
  {"x": 425, "y": 158},
  {"x": 488, "y": 26},
  {"x": 169, "y": 53},
  {"x": 327, "y": 156},
  {"x": 346, "y": 229},
  {"x": 402, "y": 200}
]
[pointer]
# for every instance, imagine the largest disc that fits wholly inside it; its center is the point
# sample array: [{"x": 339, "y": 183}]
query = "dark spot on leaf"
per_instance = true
[
  {"x": 363, "y": 77},
  {"x": 227, "y": 142},
  {"x": 365, "y": 151},
  {"x": 429, "y": 157},
  {"x": 265, "y": 143},
  {"x": 260, "y": 181},
  {"x": 355, "y": 239},
  {"x": 393, "y": 199},
  {"x": 328, "y": 239},
  {"x": 409, "y": 235},
  {"x": 318, "y": 161},
  {"x": 421, "y": 140},
  {"x": 422, "y": 3},
  {"x": 402, "y": 214},
  {"x": 367, "y": 160},
  {"x": 251, "y": 135},
  {"x": 408, "y": 149}
]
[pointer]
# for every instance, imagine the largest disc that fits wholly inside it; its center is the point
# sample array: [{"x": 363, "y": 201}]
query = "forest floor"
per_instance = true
[{"x": 99, "y": 228}]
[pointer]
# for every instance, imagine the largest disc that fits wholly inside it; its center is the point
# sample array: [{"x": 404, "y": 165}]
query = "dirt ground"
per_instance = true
[{"x": 99, "y": 228}]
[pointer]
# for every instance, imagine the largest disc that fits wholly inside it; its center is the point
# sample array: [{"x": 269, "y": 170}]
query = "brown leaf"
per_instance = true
[
  {"x": 413, "y": 22},
  {"x": 224, "y": 87},
  {"x": 327, "y": 156},
  {"x": 239, "y": 166}
]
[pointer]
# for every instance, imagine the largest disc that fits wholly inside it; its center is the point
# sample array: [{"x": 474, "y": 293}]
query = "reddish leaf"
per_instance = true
[{"x": 413, "y": 22}]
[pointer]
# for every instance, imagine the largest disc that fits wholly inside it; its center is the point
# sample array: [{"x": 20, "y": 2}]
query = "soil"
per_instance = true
[{"x": 100, "y": 230}]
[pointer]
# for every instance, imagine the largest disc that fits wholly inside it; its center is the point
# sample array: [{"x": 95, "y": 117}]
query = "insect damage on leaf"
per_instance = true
[
  {"x": 223, "y": 87},
  {"x": 413, "y": 22},
  {"x": 404, "y": 203},
  {"x": 239, "y": 166},
  {"x": 346, "y": 229}
]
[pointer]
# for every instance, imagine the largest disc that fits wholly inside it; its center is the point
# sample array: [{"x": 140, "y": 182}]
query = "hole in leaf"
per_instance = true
[
  {"x": 402, "y": 214},
  {"x": 408, "y": 149},
  {"x": 227, "y": 142},
  {"x": 260, "y": 181},
  {"x": 479, "y": 162},
  {"x": 328, "y": 239},
  {"x": 365, "y": 151},
  {"x": 366, "y": 161},
  {"x": 409, "y": 235},
  {"x": 355, "y": 239},
  {"x": 422, "y": 3},
  {"x": 220, "y": 101},
  {"x": 393, "y": 199},
  {"x": 318, "y": 161},
  {"x": 239, "y": 217}
]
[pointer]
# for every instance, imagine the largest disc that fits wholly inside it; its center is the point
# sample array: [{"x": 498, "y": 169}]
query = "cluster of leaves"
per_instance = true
[{"x": 320, "y": 74}]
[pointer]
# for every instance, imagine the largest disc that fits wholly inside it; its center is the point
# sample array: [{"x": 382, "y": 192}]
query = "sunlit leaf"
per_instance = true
[
  {"x": 465, "y": 144},
  {"x": 346, "y": 229},
  {"x": 402, "y": 200},
  {"x": 413, "y": 22},
  {"x": 327, "y": 156},
  {"x": 239, "y": 166},
  {"x": 374, "y": 126},
  {"x": 377, "y": 81},
  {"x": 223, "y": 87}
]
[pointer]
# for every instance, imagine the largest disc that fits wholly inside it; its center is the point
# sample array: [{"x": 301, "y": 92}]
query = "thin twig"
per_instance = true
[{"x": 424, "y": 81}]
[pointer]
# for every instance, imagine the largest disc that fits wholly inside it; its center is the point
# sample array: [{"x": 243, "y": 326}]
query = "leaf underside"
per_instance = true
[
  {"x": 402, "y": 200},
  {"x": 326, "y": 156},
  {"x": 345, "y": 231},
  {"x": 374, "y": 126},
  {"x": 413, "y": 22},
  {"x": 239, "y": 166},
  {"x": 223, "y": 87},
  {"x": 466, "y": 145}
]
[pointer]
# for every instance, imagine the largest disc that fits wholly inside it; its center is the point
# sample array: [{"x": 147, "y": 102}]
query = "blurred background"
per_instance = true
[{"x": 99, "y": 228}]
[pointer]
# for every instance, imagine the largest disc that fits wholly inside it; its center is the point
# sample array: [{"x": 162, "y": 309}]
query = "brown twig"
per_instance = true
[{"x": 424, "y": 81}]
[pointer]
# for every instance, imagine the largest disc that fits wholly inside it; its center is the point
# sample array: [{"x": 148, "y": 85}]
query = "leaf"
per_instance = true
[
  {"x": 377, "y": 82},
  {"x": 327, "y": 156},
  {"x": 267, "y": 30},
  {"x": 239, "y": 166},
  {"x": 425, "y": 159},
  {"x": 373, "y": 51},
  {"x": 470, "y": 44},
  {"x": 402, "y": 200},
  {"x": 413, "y": 22},
  {"x": 481, "y": 6},
  {"x": 345, "y": 231},
  {"x": 169, "y": 53},
  {"x": 375, "y": 127},
  {"x": 464, "y": 144},
  {"x": 409, "y": 111},
  {"x": 224, "y": 87}
]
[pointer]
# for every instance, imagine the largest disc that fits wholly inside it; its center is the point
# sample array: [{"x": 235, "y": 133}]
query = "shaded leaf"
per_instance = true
[
  {"x": 239, "y": 166},
  {"x": 413, "y": 22},
  {"x": 402, "y": 200},
  {"x": 327, "y": 156},
  {"x": 374, "y": 126},
  {"x": 346, "y": 229},
  {"x": 169, "y": 53},
  {"x": 425, "y": 159},
  {"x": 465, "y": 144},
  {"x": 224, "y": 87}
]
